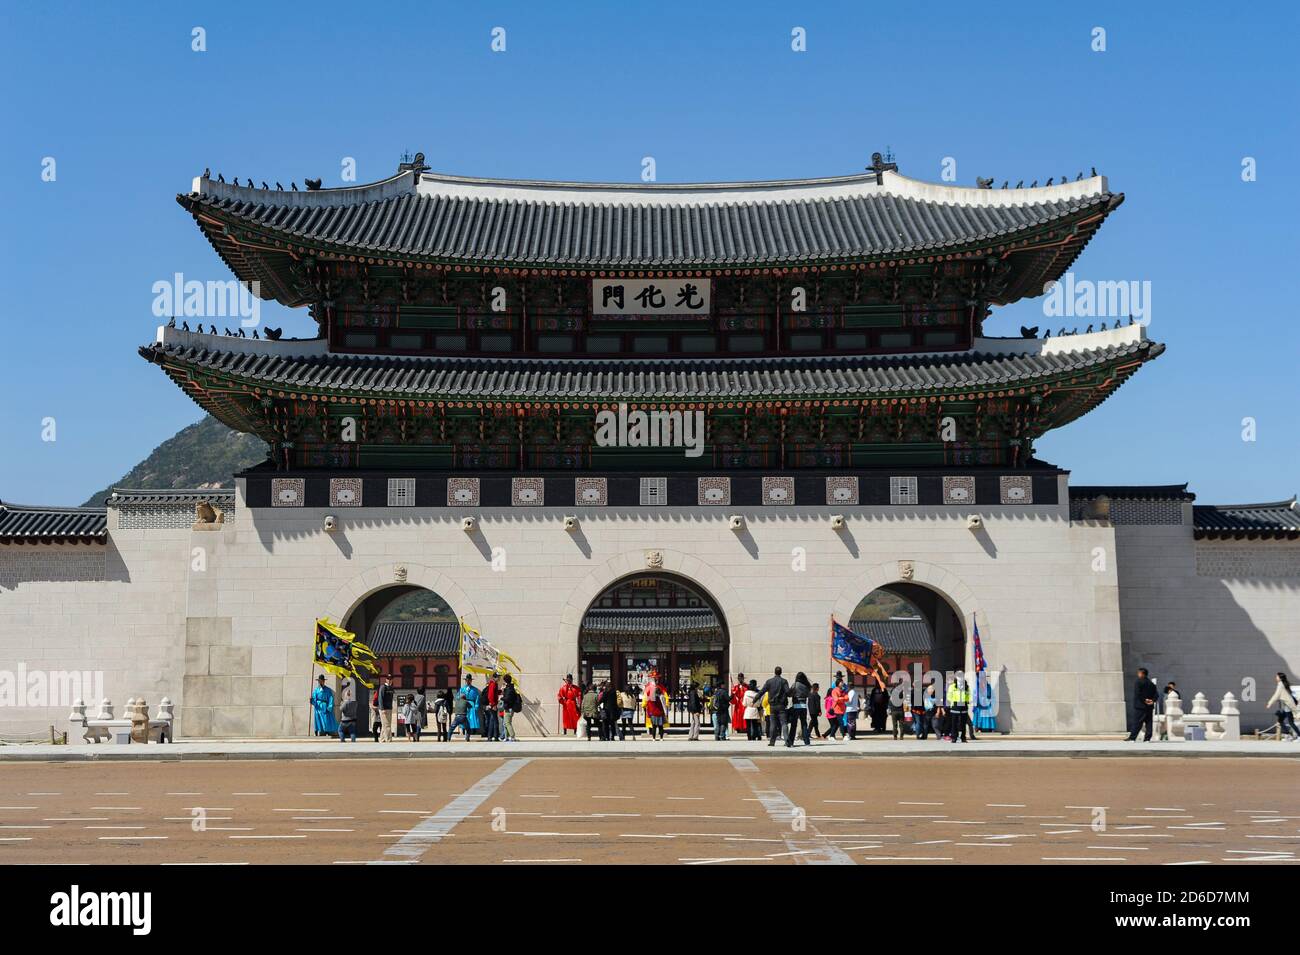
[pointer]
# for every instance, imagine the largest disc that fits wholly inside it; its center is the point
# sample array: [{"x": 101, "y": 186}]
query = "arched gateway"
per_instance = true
[
  {"x": 916, "y": 626},
  {"x": 653, "y": 621},
  {"x": 414, "y": 634}
]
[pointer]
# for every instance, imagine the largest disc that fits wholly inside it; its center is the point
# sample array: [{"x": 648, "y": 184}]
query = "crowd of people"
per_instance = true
[{"x": 779, "y": 710}]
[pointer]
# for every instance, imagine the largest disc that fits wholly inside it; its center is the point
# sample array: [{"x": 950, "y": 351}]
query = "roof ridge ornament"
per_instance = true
[
  {"x": 882, "y": 164},
  {"x": 415, "y": 164}
]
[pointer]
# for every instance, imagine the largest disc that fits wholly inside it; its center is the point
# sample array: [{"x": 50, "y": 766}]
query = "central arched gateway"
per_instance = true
[
  {"x": 653, "y": 621},
  {"x": 920, "y": 631}
]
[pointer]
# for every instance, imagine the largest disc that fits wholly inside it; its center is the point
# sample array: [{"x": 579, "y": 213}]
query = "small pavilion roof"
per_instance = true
[
  {"x": 1277, "y": 521},
  {"x": 163, "y": 496},
  {"x": 37, "y": 524},
  {"x": 414, "y": 638},
  {"x": 909, "y": 635},
  {"x": 1132, "y": 492}
]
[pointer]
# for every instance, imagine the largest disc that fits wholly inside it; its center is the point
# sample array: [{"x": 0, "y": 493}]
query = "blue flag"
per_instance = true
[{"x": 855, "y": 652}]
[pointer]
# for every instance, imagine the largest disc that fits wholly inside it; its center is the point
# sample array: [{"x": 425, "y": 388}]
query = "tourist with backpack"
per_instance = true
[
  {"x": 442, "y": 715},
  {"x": 461, "y": 707},
  {"x": 721, "y": 715},
  {"x": 512, "y": 702}
]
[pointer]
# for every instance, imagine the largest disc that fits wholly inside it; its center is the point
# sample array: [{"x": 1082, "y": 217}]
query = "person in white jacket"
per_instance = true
[{"x": 1284, "y": 699}]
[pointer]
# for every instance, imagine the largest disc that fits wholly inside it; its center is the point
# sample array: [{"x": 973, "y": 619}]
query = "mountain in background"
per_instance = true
[{"x": 206, "y": 454}]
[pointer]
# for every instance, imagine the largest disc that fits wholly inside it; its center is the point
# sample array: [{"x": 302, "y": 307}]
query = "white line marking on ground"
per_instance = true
[
  {"x": 909, "y": 858},
  {"x": 526, "y": 861},
  {"x": 781, "y": 810},
  {"x": 129, "y": 838},
  {"x": 434, "y": 828},
  {"x": 1084, "y": 859},
  {"x": 267, "y": 837}
]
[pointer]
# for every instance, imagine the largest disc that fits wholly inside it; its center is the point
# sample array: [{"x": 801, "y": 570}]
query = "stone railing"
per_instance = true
[
  {"x": 1176, "y": 726},
  {"x": 135, "y": 726}
]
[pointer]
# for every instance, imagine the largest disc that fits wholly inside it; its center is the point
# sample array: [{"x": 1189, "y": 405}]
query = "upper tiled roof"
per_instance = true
[
  {"x": 1278, "y": 520},
  {"x": 569, "y": 225},
  {"x": 31, "y": 524},
  {"x": 989, "y": 365},
  {"x": 488, "y": 222},
  {"x": 1132, "y": 492}
]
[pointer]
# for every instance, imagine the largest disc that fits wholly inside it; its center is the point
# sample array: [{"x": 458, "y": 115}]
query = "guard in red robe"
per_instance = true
[
  {"x": 738, "y": 704},
  {"x": 570, "y": 700}
]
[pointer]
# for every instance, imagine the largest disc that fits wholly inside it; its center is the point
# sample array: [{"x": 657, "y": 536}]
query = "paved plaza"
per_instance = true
[{"x": 746, "y": 807}]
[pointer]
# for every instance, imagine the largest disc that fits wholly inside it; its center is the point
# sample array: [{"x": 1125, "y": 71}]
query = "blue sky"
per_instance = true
[{"x": 1182, "y": 93}]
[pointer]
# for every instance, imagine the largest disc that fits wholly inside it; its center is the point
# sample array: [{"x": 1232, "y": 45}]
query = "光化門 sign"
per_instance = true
[{"x": 650, "y": 296}]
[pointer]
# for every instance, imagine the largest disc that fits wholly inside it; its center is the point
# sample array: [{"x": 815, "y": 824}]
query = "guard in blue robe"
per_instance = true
[
  {"x": 471, "y": 694},
  {"x": 322, "y": 705}
]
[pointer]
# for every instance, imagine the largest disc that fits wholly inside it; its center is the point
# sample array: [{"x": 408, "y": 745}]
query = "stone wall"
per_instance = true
[
  {"x": 221, "y": 621},
  {"x": 1214, "y": 616},
  {"x": 113, "y": 611}
]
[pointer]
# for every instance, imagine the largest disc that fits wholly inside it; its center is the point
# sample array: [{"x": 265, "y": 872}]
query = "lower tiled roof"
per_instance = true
[
  {"x": 577, "y": 379},
  {"x": 1280, "y": 520},
  {"x": 32, "y": 524}
]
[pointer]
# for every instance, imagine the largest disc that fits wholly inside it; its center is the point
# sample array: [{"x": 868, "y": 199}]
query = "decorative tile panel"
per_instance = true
[
  {"x": 591, "y": 492},
  {"x": 959, "y": 490},
  {"x": 714, "y": 490},
  {"x": 654, "y": 491},
  {"x": 841, "y": 490},
  {"x": 1016, "y": 489},
  {"x": 778, "y": 490},
  {"x": 401, "y": 492},
  {"x": 527, "y": 492},
  {"x": 345, "y": 492},
  {"x": 462, "y": 492},
  {"x": 288, "y": 492},
  {"x": 902, "y": 490}
]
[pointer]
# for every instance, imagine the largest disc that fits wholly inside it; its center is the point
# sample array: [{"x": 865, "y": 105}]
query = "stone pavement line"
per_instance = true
[
  {"x": 811, "y": 847},
  {"x": 412, "y": 846}
]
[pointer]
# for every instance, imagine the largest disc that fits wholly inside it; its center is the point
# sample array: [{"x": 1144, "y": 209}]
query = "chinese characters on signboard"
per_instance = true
[{"x": 650, "y": 296}]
